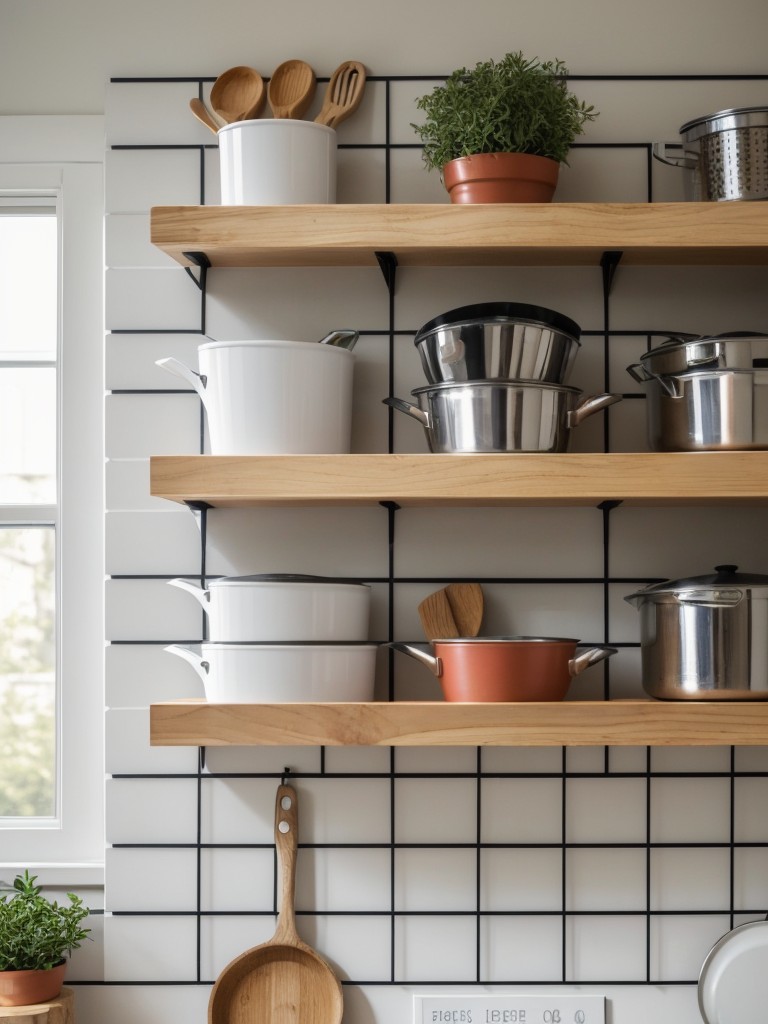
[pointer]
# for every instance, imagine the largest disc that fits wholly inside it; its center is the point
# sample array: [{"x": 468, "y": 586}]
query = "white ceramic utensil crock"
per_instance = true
[
  {"x": 269, "y": 608},
  {"x": 283, "y": 673},
  {"x": 273, "y": 397},
  {"x": 276, "y": 161}
]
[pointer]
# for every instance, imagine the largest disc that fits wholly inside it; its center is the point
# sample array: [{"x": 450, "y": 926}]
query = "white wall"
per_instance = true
[
  {"x": 175, "y": 895},
  {"x": 56, "y": 57}
]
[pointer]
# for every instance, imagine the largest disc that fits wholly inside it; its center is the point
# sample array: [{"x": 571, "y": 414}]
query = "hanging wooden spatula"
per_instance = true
[
  {"x": 466, "y": 601},
  {"x": 437, "y": 618}
]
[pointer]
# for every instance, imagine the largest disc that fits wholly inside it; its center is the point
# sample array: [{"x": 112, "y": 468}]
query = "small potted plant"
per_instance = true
[
  {"x": 36, "y": 936},
  {"x": 499, "y": 132}
]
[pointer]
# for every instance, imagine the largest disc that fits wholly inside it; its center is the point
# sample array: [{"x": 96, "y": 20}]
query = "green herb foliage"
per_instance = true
[
  {"x": 35, "y": 933},
  {"x": 512, "y": 105}
]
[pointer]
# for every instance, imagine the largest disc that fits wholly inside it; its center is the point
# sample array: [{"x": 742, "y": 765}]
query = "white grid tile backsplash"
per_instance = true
[{"x": 432, "y": 867}]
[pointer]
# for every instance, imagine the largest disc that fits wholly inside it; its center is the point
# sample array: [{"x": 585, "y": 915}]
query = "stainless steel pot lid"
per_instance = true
[
  {"x": 733, "y": 983},
  {"x": 279, "y": 577},
  {"x": 692, "y": 342},
  {"x": 724, "y": 576},
  {"x": 484, "y": 312},
  {"x": 723, "y": 121}
]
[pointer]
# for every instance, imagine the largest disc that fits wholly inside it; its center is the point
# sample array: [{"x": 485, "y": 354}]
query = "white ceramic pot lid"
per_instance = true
[{"x": 733, "y": 984}]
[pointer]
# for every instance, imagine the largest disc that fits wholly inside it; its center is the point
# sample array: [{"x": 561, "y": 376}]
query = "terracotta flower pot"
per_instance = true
[
  {"x": 501, "y": 178},
  {"x": 28, "y": 988}
]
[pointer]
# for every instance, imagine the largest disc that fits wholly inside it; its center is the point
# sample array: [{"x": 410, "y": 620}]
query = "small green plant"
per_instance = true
[
  {"x": 512, "y": 105},
  {"x": 36, "y": 933}
]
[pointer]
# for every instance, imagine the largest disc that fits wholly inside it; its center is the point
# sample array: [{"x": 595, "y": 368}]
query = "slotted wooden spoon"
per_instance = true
[
  {"x": 238, "y": 94},
  {"x": 291, "y": 89},
  {"x": 344, "y": 93},
  {"x": 466, "y": 601},
  {"x": 282, "y": 981},
  {"x": 436, "y": 616}
]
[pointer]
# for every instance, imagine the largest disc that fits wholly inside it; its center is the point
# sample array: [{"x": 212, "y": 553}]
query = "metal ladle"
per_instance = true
[{"x": 238, "y": 94}]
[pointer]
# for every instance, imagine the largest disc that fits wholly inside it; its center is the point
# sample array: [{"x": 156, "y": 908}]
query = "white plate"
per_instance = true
[{"x": 733, "y": 984}]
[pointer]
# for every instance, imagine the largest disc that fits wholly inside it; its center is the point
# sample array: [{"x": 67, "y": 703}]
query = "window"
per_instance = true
[{"x": 51, "y": 493}]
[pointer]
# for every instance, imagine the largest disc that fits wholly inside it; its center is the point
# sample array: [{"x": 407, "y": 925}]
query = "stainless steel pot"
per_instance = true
[
  {"x": 726, "y": 152},
  {"x": 498, "y": 341},
  {"x": 500, "y": 416},
  {"x": 706, "y": 637},
  {"x": 708, "y": 410},
  {"x": 737, "y": 350}
]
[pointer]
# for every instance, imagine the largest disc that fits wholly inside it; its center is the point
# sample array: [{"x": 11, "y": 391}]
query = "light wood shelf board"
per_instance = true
[
  {"x": 226, "y": 481},
  {"x": 402, "y": 723},
  {"x": 434, "y": 234}
]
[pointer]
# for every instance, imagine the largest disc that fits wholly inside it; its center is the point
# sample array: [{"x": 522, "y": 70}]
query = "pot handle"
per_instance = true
[
  {"x": 434, "y": 665},
  {"x": 197, "y": 380},
  {"x": 590, "y": 656},
  {"x": 712, "y": 598},
  {"x": 198, "y": 664},
  {"x": 198, "y": 592},
  {"x": 341, "y": 339},
  {"x": 660, "y": 154},
  {"x": 409, "y": 409},
  {"x": 639, "y": 373},
  {"x": 588, "y": 406}
]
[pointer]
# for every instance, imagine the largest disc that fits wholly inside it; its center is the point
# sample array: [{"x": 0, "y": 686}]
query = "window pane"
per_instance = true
[
  {"x": 28, "y": 283},
  {"x": 28, "y": 430},
  {"x": 27, "y": 672}
]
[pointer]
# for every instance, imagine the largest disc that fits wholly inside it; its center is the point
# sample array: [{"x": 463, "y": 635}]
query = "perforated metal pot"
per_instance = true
[
  {"x": 705, "y": 637},
  {"x": 727, "y": 153}
]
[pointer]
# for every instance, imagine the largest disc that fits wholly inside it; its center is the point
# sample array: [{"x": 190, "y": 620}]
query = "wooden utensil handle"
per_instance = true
[{"x": 287, "y": 844}]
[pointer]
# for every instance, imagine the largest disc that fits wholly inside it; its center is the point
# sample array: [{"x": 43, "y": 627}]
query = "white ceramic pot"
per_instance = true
[
  {"x": 273, "y": 397},
  {"x": 283, "y": 673},
  {"x": 276, "y": 161},
  {"x": 291, "y": 609}
]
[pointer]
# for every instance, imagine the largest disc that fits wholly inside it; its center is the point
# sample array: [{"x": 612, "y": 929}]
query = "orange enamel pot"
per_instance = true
[{"x": 505, "y": 668}]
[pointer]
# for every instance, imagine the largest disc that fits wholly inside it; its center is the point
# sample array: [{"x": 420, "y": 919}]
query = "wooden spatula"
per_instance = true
[
  {"x": 437, "y": 618},
  {"x": 466, "y": 602}
]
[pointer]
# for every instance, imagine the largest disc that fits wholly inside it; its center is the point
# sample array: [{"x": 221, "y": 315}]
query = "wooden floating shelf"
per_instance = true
[
  {"x": 537, "y": 234},
  {"x": 403, "y": 723},
  {"x": 232, "y": 481}
]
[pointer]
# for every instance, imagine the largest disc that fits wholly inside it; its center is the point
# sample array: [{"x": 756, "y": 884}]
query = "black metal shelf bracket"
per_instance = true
[
  {"x": 388, "y": 265},
  {"x": 609, "y": 264},
  {"x": 200, "y": 260}
]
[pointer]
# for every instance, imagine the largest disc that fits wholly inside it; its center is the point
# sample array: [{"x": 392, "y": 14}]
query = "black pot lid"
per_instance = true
[
  {"x": 723, "y": 576},
  {"x": 502, "y": 311}
]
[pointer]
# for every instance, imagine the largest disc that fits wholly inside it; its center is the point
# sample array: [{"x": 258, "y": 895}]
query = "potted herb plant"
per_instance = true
[
  {"x": 512, "y": 120},
  {"x": 36, "y": 936}
]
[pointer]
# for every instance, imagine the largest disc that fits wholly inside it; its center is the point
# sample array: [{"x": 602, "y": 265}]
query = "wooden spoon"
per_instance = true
[
  {"x": 202, "y": 113},
  {"x": 466, "y": 601},
  {"x": 283, "y": 980},
  {"x": 344, "y": 93},
  {"x": 238, "y": 94},
  {"x": 291, "y": 89},
  {"x": 437, "y": 619}
]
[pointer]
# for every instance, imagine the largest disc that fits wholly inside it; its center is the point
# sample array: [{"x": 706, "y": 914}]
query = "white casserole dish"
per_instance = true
[
  {"x": 283, "y": 673},
  {"x": 275, "y": 607}
]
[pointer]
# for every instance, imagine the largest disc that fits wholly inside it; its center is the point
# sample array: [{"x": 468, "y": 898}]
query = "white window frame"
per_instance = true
[{"x": 63, "y": 156}]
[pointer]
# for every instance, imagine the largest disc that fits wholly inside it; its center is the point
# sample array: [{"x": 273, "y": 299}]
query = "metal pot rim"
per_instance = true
[
  {"x": 501, "y": 312},
  {"x": 733, "y": 117},
  {"x": 511, "y": 640},
  {"x": 463, "y": 385}
]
